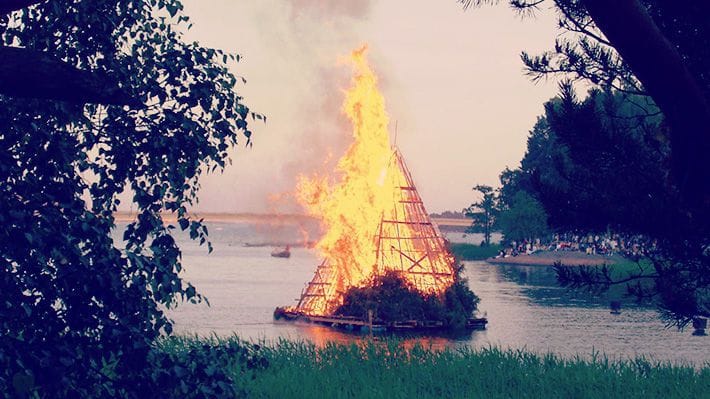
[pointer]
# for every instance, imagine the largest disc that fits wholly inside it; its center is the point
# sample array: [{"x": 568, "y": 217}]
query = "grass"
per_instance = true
[
  {"x": 464, "y": 251},
  {"x": 390, "y": 369}
]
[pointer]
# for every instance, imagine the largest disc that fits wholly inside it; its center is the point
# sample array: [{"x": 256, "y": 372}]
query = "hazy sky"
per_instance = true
[{"x": 453, "y": 82}]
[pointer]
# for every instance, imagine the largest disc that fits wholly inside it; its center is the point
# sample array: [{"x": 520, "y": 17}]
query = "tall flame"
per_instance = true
[{"x": 352, "y": 208}]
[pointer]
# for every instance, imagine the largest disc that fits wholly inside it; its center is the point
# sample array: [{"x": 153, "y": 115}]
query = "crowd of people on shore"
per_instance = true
[{"x": 627, "y": 245}]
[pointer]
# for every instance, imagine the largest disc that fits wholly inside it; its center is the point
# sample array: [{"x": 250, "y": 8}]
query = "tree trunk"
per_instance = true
[
  {"x": 33, "y": 74},
  {"x": 659, "y": 67}
]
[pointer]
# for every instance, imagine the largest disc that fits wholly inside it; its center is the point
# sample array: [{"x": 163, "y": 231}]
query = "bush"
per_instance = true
[
  {"x": 392, "y": 298},
  {"x": 197, "y": 368}
]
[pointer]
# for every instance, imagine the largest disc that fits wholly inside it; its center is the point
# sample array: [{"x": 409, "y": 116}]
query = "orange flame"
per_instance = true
[{"x": 352, "y": 208}]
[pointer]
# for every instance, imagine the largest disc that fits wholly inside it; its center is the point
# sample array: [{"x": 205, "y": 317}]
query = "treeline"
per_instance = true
[{"x": 448, "y": 215}]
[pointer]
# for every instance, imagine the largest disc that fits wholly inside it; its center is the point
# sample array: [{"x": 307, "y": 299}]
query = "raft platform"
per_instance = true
[{"x": 351, "y": 323}]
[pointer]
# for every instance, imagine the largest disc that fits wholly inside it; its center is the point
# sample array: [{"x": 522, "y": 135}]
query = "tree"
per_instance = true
[
  {"x": 598, "y": 163},
  {"x": 525, "y": 219},
  {"x": 592, "y": 184},
  {"x": 659, "y": 66},
  {"x": 653, "y": 53},
  {"x": 647, "y": 47},
  {"x": 483, "y": 212},
  {"x": 36, "y": 74},
  {"x": 78, "y": 311}
]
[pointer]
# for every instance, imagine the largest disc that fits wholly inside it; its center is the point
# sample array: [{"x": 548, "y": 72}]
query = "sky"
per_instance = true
[{"x": 453, "y": 82}]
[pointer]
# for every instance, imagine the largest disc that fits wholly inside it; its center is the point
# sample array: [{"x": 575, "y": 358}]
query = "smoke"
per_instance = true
[
  {"x": 319, "y": 33},
  {"x": 330, "y": 10}
]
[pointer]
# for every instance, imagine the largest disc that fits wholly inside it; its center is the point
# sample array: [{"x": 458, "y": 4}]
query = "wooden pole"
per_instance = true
[{"x": 369, "y": 320}]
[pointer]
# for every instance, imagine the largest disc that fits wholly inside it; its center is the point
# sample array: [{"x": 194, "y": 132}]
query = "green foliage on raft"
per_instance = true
[{"x": 391, "y": 298}]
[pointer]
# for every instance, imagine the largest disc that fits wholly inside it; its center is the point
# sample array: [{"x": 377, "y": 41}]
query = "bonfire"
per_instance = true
[{"x": 376, "y": 228}]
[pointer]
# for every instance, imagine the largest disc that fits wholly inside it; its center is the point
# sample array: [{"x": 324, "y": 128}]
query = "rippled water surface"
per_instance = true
[{"x": 524, "y": 306}]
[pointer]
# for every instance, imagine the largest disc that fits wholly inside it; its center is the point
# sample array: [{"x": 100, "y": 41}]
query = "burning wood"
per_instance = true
[{"x": 373, "y": 217}]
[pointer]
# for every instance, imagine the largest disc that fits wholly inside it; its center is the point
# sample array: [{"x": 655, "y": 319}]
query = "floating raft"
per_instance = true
[{"x": 350, "y": 323}]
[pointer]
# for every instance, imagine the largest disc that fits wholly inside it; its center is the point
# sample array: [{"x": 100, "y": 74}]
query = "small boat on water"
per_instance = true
[
  {"x": 477, "y": 323},
  {"x": 282, "y": 253}
]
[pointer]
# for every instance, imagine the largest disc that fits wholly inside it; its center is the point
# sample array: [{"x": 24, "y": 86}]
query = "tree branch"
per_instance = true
[
  {"x": 34, "y": 74},
  {"x": 581, "y": 28}
]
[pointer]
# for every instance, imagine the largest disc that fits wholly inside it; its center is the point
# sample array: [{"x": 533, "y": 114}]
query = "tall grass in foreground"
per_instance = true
[{"x": 390, "y": 369}]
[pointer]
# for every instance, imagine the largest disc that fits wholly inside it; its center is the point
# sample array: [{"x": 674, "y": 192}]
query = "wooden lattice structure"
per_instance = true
[{"x": 406, "y": 241}]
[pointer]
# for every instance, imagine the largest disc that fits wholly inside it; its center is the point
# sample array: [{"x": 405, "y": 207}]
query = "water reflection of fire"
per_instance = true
[
  {"x": 321, "y": 336},
  {"x": 373, "y": 217}
]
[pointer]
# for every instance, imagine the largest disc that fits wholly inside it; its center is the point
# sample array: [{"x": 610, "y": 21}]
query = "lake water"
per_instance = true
[{"x": 524, "y": 306}]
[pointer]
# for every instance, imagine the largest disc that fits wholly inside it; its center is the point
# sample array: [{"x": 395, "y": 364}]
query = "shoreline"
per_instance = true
[
  {"x": 548, "y": 258},
  {"x": 258, "y": 218},
  {"x": 454, "y": 225}
]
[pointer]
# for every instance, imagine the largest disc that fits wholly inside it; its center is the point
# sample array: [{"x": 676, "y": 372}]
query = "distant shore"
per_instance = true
[
  {"x": 227, "y": 217},
  {"x": 549, "y": 258},
  {"x": 446, "y": 224},
  {"x": 452, "y": 224}
]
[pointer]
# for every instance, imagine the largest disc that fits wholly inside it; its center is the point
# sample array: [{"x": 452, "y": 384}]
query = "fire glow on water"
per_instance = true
[{"x": 367, "y": 191}]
